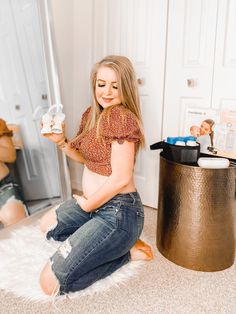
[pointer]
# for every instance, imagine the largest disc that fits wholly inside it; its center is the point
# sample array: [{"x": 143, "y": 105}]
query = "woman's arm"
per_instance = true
[
  {"x": 61, "y": 141},
  {"x": 72, "y": 153},
  {"x": 122, "y": 164},
  {"x": 7, "y": 149}
]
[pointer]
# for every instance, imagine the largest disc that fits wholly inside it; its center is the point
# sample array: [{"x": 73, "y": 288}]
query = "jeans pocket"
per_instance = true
[
  {"x": 109, "y": 214},
  {"x": 127, "y": 219}
]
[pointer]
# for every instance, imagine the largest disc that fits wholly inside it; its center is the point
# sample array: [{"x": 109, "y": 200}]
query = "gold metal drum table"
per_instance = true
[{"x": 195, "y": 227}]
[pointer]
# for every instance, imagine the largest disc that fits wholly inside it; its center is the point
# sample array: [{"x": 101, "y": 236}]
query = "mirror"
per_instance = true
[{"x": 28, "y": 86}]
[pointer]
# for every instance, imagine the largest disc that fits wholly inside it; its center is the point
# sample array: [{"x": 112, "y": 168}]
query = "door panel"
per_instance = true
[
  {"x": 190, "y": 60},
  {"x": 224, "y": 92},
  {"x": 136, "y": 29}
]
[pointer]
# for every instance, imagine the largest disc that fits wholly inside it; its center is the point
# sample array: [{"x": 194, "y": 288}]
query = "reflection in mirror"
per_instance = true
[
  {"x": 12, "y": 204},
  {"x": 36, "y": 169}
]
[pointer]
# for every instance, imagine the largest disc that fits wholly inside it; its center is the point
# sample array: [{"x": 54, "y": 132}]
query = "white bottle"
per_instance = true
[
  {"x": 180, "y": 143},
  {"x": 192, "y": 143}
]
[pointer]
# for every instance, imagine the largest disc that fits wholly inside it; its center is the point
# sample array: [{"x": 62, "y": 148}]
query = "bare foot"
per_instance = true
[{"x": 141, "y": 251}]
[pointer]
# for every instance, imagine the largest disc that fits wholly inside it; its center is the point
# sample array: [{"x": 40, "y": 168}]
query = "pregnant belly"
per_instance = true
[{"x": 92, "y": 181}]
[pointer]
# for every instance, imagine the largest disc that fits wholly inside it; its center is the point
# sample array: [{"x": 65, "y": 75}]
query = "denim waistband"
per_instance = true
[{"x": 131, "y": 196}]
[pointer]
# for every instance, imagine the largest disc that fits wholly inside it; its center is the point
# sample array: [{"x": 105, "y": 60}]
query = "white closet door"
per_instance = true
[
  {"x": 136, "y": 29},
  {"x": 190, "y": 60},
  {"x": 224, "y": 91}
]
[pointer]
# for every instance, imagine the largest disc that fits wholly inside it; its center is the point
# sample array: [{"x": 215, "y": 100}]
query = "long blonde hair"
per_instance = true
[{"x": 128, "y": 92}]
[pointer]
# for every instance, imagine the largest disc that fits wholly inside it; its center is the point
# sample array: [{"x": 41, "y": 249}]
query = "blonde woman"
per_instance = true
[{"x": 101, "y": 228}]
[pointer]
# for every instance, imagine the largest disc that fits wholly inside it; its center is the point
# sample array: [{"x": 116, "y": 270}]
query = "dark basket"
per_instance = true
[{"x": 178, "y": 153}]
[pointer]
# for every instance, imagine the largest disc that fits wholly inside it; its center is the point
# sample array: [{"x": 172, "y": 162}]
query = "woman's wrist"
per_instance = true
[{"x": 62, "y": 143}]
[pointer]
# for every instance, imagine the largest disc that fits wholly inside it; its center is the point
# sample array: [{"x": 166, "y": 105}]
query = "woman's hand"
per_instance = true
[
  {"x": 82, "y": 202},
  {"x": 54, "y": 137}
]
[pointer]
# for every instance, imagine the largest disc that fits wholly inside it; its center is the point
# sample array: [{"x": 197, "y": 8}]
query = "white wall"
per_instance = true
[
  {"x": 81, "y": 73},
  {"x": 72, "y": 22},
  {"x": 63, "y": 35}
]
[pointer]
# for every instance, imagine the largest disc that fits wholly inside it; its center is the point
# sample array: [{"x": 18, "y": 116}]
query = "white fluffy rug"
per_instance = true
[{"x": 23, "y": 255}]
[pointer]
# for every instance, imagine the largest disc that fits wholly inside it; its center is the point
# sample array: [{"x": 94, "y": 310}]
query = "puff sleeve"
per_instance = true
[
  {"x": 120, "y": 125},
  {"x": 4, "y": 129}
]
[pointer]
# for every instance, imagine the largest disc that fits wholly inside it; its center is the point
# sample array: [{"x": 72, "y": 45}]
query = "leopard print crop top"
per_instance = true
[{"x": 120, "y": 126}]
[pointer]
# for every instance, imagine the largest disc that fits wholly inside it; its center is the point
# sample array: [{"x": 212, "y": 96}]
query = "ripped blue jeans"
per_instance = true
[{"x": 95, "y": 244}]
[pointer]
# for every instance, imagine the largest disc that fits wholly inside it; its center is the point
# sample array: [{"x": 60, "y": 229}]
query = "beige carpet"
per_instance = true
[{"x": 159, "y": 287}]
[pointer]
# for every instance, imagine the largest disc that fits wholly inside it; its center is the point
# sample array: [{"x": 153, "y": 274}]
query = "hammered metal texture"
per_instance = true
[{"x": 195, "y": 226}]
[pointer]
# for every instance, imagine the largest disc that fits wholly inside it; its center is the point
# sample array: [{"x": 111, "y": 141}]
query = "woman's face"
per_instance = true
[
  {"x": 205, "y": 128},
  {"x": 106, "y": 90}
]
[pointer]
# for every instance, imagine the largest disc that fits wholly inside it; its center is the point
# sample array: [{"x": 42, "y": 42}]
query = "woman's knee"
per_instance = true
[
  {"x": 12, "y": 212},
  {"x": 48, "y": 281},
  {"x": 48, "y": 221}
]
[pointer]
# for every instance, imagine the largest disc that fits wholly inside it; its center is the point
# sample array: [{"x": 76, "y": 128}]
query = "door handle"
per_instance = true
[
  {"x": 192, "y": 82},
  {"x": 140, "y": 81}
]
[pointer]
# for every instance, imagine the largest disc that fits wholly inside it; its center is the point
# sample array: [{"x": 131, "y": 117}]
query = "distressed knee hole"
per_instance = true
[
  {"x": 12, "y": 211},
  {"x": 65, "y": 249},
  {"x": 51, "y": 227},
  {"x": 49, "y": 282},
  {"x": 12, "y": 199}
]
